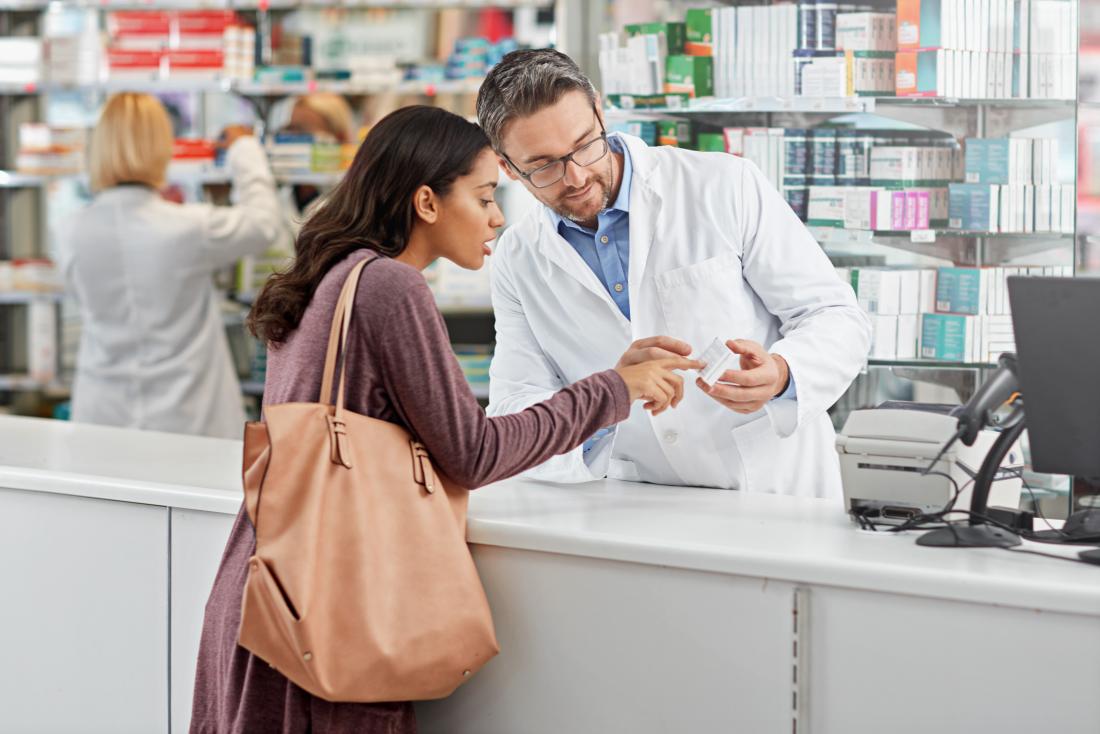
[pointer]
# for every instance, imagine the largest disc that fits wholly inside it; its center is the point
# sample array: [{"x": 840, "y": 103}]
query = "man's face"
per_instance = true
[{"x": 551, "y": 133}]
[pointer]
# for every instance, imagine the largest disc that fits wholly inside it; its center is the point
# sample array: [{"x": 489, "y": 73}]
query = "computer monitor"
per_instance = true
[{"x": 1057, "y": 327}]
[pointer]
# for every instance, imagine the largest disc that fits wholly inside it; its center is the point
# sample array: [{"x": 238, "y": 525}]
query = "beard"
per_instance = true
[{"x": 601, "y": 181}]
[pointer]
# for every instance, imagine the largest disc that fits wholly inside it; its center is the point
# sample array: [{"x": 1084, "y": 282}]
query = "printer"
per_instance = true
[{"x": 884, "y": 452}]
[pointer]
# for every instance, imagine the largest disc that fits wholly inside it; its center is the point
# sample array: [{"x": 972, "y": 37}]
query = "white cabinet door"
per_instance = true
[
  {"x": 908, "y": 665},
  {"x": 83, "y": 615},
  {"x": 590, "y": 645},
  {"x": 198, "y": 539}
]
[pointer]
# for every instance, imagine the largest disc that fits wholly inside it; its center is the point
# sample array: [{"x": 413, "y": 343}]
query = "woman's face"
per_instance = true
[{"x": 469, "y": 215}]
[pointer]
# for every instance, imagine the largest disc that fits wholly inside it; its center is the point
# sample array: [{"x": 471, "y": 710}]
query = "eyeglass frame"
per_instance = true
[{"x": 565, "y": 160}]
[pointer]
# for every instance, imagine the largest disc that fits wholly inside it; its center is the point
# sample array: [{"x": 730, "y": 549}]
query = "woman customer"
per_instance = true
[
  {"x": 420, "y": 188},
  {"x": 153, "y": 351}
]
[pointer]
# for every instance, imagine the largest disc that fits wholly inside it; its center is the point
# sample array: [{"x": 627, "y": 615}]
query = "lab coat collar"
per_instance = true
[
  {"x": 126, "y": 192},
  {"x": 645, "y": 204}
]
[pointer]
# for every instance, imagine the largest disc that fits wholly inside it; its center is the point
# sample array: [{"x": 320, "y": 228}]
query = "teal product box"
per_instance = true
[
  {"x": 959, "y": 291},
  {"x": 675, "y": 34},
  {"x": 943, "y": 337},
  {"x": 644, "y": 129},
  {"x": 931, "y": 72},
  {"x": 973, "y": 207},
  {"x": 987, "y": 161}
]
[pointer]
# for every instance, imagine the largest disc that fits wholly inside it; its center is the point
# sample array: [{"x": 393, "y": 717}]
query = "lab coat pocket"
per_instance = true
[
  {"x": 703, "y": 301},
  {"x": 624, "y": 470},
  {"x": 755, "y": 444}
]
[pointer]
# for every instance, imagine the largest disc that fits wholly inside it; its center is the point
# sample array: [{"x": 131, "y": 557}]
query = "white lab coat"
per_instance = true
[
  {"x": 153, "y": 350},
  {"x": 715, "y": 251}
]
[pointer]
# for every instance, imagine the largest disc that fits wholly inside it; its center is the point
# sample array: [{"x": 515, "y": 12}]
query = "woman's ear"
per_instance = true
[{"x": 426, "y": 204}]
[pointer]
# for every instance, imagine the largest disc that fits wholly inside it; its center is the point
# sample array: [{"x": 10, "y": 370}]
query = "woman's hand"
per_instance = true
[
  {"x": 233, "y": 132},
  {"x": 656, "y": 382}
]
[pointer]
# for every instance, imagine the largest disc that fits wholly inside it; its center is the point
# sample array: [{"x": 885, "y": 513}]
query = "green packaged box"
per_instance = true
[
  {"x": 710, "y": 142},
  {"x": 648, "y": 102},
  {"x": 699, "y": 39},
  {"x": 676, "y": 133},
  {"x": 691, "y": 75},
  {"x": 675, "y": 34}
]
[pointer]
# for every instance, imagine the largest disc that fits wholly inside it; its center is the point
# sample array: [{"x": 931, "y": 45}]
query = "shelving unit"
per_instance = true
[
  {"x": 23, "y": 196},
  {"x": 959, "y": 117}
]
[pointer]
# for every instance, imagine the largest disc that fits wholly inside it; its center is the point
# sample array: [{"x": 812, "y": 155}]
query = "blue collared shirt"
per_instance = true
[{"x": 606, "y": 249}]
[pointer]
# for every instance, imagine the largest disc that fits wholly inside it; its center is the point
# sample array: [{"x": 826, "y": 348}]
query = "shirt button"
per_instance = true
[
  {"x": 604, "y": 239},
  {"x": 618, "y": 287},
  {"x": 671, "y": 437}
]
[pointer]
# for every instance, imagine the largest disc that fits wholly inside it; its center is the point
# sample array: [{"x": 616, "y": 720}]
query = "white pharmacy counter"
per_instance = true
[{"x": 619, "y": 607}]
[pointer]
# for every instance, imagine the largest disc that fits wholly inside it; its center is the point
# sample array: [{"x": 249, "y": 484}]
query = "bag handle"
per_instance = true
[
  {"x": 340, "y": 451},
  {"x": 337, "y": 335}
]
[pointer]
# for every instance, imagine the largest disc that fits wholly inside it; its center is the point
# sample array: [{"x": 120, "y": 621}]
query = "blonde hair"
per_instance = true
[
  {"x": 132, "y": 142},
  {"x": 334, "y": 110}
]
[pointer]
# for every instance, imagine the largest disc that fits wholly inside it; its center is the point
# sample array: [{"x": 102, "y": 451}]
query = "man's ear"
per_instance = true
[
  {"x": 507, "y": 168},
  {"x": 599, "y": 111},
  {"x": 426, "y": 204}
]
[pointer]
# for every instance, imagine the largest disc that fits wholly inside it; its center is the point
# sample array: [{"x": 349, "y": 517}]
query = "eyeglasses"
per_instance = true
[{"x": 554, "y": 171}]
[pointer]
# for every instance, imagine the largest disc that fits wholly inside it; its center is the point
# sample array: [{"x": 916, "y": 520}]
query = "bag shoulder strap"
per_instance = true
[{"x": 338, "y": 331}]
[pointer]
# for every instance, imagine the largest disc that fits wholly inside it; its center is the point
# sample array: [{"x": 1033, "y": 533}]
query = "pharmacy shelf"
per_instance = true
[
  {"x": 841, "y": 236},
  {"x": 212, "y": 176},
  {"x": 34, "y": 5},
  {"x": 956, "y": 246},
  {"x": 973, "y": 102},
  {"x": 26, "y": 383},
  {"x": 189, "y": 175},
  {"x": 8, "y": 89},
  {"x": 929, "y": 364},
  {"x": 17, "y": 180},
  {"x": 11, "y": 298},
  {"x": 825, "y": 105},
  {"x": 219, "y": 85},
  {"x": 252, "y": 387},
  {"x": 830, "y": 105}
]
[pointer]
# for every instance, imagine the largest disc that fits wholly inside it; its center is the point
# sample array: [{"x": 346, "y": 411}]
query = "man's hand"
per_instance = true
[
  {"x": 651, "y": 348},
  {"x": 762, "y": 376}
]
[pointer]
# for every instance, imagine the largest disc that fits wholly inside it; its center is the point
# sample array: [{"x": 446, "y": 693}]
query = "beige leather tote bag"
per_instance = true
[{"x": 362, "y": 587}]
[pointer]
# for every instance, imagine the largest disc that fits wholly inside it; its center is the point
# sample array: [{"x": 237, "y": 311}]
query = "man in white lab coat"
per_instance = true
[{"x": 637, "y": 252}]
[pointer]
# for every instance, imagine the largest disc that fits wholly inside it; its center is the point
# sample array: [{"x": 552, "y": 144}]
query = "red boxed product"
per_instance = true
[{"x": 195, "y": 62}]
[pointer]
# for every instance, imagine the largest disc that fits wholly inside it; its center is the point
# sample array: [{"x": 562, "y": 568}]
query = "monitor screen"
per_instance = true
[{"x": 1057, "y": 329}]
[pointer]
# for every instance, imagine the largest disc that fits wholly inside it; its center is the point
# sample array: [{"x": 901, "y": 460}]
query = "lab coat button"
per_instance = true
[{"x": 671, "y": 436}]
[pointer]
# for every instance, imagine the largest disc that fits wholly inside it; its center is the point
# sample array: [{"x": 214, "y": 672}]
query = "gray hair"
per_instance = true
[{"x": 523, "y": 83}]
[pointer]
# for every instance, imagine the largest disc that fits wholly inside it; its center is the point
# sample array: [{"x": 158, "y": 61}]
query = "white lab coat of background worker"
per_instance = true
[
  {"x": 714, "y": 252},
  {"x": 153, "y": 350}
]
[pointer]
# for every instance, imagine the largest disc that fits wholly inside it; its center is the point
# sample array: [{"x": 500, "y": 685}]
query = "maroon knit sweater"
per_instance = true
[{"x": 400, "y": 369}]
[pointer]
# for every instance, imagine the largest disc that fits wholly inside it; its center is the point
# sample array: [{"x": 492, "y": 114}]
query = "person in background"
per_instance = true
[
  {"x": 329, "y": 119},
  {"x": 420, "y": 188},
  {"x": 153, "y": 351}
]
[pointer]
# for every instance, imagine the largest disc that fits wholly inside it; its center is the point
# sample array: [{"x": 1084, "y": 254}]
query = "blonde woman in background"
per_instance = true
[
  {"x": 153, "y": 351},
  {"x": 329, "y": 119}
]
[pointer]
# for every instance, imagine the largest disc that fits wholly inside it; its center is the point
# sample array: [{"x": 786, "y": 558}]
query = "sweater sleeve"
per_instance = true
[{"x": 425, "y": 382}]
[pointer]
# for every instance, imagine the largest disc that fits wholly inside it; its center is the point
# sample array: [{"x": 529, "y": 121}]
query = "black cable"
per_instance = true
[
  {"x": 943, "y": 450},
  {"x": 1032, "y": 552},
  {"x": 1035, "y": 502}
]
